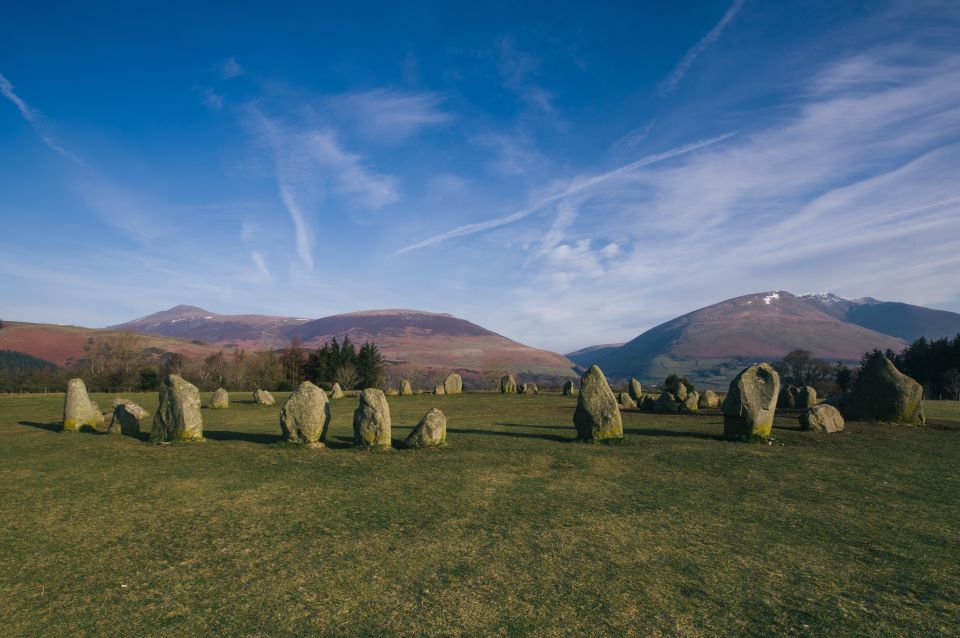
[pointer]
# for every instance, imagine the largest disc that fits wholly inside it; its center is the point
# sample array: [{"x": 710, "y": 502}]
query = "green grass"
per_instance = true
[{"x": 512, "y": 530}]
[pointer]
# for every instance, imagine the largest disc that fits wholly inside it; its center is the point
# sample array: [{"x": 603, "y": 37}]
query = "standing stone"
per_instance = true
[
  {"x": 430, "y": 432},
  {"x": 666, "y": 404},
  {"x": 883, "y": 393},
  {"x": 336, "y": 392},
  {"x": 79, "y": 410},
  {"x": 691, "y": 404},
  {"x": 305, "y": 415},
  {"x": 453, "y": 384},
  {"x": 625, "y": 400},
  {"x": 635, "y": 390},
  {"x": 391, "y": 392},
  {"x": 709, "y": 399},
  {"x": 178, "y": 417},
  {"x": 220, "y": 399},
  {"x": 568, "y": 390},
  {"x": 597, "y": 417},
  {"x": 508, "y": 385},
  {"x": 646, "y": 402},
  {"x": 535, "y": 388},
  {"x": 371, "y": 420},
  {"x": 681, "y": 392},
  {"x": 752, "y": 402},
  {"x": 263, "y": 397},
  {"x": 127, "y": 417},
  {"x": 405, "y": 388},
  {"x": 439, "y": 389},
  {"x": 806, "y": 397},
  {"x": 822, "y": 418},
  {"x": 787, "y": 399}
]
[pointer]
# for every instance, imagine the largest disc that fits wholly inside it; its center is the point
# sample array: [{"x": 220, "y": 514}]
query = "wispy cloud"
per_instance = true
[
  {"x": 230, "y": 68},
  {"x": 211, "y": 98},
  {"x": 262, "y": 274},
  {"x": 578, "y": 186},
  {"x": 310, "y": 163},
  {"x": 518, "y": 70},
  {"x": 35, "y": 119},
  {"x": 680, "y": 70},
  {"x": 389, "y": 114}
]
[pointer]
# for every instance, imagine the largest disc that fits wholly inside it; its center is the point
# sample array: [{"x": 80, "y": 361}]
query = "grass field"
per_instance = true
[{"x": 512, "y": 530}]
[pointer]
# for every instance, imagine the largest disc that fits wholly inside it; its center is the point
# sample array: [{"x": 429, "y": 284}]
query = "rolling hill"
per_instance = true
[
  {"x": 901, "y": 320},
  {"x": 711, "y": 344}
]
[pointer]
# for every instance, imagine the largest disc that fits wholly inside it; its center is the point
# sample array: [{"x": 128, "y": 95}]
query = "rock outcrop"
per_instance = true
[
  {"x": 883, "y": 393},
  {"x": 597, "y": 417},
  {"x": 431, "y": 431},
  {"x": 371, "y": 420},
  {"x": 178, "y": 418},
  {"x": 79, "y": 410},
  {"x": 752, "y": 402},
  {"x": 305, "y": 415}
]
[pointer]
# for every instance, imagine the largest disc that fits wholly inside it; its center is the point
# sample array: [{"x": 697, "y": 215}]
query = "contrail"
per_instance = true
[
  {"x": 34, "y": 118},
  {"x": 578, "y": 187},
  {"x": 684, "y": 64}
]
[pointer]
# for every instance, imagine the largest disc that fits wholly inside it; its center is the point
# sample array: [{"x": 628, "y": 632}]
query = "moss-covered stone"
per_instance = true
[
  {"x": 371, "y": 420},
  {"x": 178, "y": 417},
  {"x": 709, "y": 399},
  {"x": 431, "y": 431},
  {"x": 568, "y": 389},
  {"x": 453, "y": 384},
  {"x": 635, "y": 389},
  {"x": 883, "y": 393},
  {"x": 667, "y": 403},
  {"x": 597, "y": 417},
  {"x": 305, "y": 415},
  {"x": 405, "y": 388},
  {"x": 79, "y": 410},
  {"x": 625, "y": 400},
  {"x": 751, "y": 402},
  {"x": 439, "y": 389},
  {"x": 336, "y": 392},
  {"x": 220, "y": 399},
  {"x": 691, "y": 404},
  {"x": 508, "y": 385},
  {"x": 806, "y": 397}
]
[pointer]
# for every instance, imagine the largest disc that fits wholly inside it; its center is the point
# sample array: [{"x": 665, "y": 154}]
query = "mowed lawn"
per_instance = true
[{"x": 512, "y": 530}]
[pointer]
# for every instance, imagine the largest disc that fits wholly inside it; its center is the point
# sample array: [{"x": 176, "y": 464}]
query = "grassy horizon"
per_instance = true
[{"x": 512, "y": 530}]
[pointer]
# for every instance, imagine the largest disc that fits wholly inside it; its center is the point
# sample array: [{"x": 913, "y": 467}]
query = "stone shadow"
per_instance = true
[
  {"x": 672, "y": 433},
  {"x": 518, "y": 435},
  {"x": 250, "y": 437},
  {"x": 49, "y": 427}
]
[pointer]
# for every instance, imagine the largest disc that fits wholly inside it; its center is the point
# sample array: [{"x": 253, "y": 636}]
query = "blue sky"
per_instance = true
[{"x": 564, "y": 177}]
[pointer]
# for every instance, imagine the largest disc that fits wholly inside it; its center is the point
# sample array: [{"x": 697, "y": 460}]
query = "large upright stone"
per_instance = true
[
  {"x": 806, "y": 397},
  {"x": 336, "y": 392},
  {"x": 508, "y": 385},
  {"x": 371, "y": 420},
  {"x": 305, "y": 415},
  {"x": 883, "y": 393},
  {"x": 709, "y": 399},
  {"x": 439, "y": 389},
  {"x": 787, "y": 399},
  {"x": 597, "y": 417},
  {"x": 220, "y": 399},
  {"x": 79, "y": 410},
  {"x": 178, "y": 417},
  {"x": 568, "y": 390},
  {"x": 127, "y": 418},
  {"x": 262, "y": 397},
  {"x": 405, "y": 388},
  {"x": 752, "y": 402},
  {"x": 681, "y": 392},
  {"x": 453, "y": 384},
  {"x": 635, "y": 390},
  {"x": 822, "y": 418},
  {"x": 431, "y": 431}
]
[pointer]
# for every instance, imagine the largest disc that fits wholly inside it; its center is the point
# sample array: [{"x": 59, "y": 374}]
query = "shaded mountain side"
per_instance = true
[
  {"x": 902, "y": 320},
  {"x": 713, "y": 343},
  {"x": 585, "y": 356}
]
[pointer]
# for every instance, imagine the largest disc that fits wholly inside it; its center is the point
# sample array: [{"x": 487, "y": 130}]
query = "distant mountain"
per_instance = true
[
  {"x": 713, "y": 343},
  {"x": 64, "y": 345},
  {"x": 411, "y": 338},
  {"x": 431, "y": 340},
  {"x": 902, "y": 320},
  {"x": 197, "y": 324},
  {"x": 584, "y": 357}
]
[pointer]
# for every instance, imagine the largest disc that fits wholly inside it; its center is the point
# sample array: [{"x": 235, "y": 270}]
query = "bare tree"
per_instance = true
[
  {"x": 951, "y": 383},
  {"x": 346, "y": 375}
]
